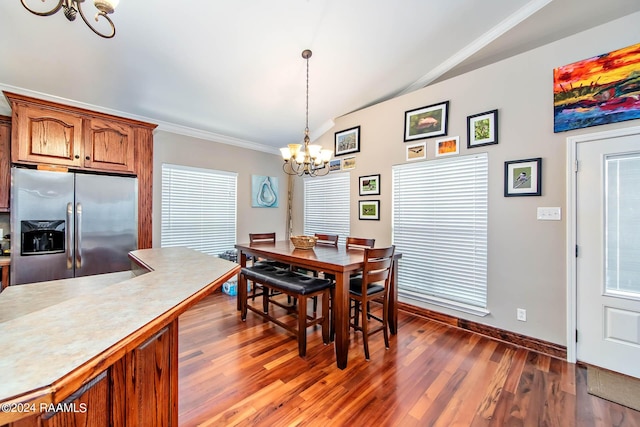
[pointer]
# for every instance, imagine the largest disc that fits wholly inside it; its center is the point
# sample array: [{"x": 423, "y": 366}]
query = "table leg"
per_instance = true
[
  {"x": 5, "y": 277},
  {"x": 341, "y": 308},
  {"x": 393, "y": 299},
  {"x": 242, "y": 283}
]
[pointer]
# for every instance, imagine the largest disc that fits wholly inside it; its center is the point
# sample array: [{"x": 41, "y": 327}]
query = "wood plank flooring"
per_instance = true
[{"x": 249, "y": 374}]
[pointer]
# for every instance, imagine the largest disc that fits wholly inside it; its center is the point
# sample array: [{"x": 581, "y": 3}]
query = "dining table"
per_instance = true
[{"x": 337, "y": 261}]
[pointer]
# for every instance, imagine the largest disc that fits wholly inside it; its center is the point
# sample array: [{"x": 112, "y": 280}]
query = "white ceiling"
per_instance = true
[{"x": 232, "y": 71}]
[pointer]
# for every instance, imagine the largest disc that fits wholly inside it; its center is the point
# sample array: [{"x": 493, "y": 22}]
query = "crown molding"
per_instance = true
[{"x": 5, "y": 109}]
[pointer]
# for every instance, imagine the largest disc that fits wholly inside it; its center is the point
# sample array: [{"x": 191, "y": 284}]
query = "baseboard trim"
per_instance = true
[{"x": 533, "y": 344}]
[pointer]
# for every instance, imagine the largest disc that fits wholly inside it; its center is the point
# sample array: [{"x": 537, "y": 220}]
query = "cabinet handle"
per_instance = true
[
  {"x": 77, "y": 156},
  {"x": 87, "y": 158}
]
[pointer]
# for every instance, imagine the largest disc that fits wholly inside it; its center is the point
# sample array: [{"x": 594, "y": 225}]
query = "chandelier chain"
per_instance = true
[
  {"x": 306, "y": 159},
  {"x": 307, "y": 111}
]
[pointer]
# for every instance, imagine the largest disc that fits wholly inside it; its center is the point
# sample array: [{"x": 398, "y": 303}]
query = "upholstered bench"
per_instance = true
[{"x": 295, "y": 285}]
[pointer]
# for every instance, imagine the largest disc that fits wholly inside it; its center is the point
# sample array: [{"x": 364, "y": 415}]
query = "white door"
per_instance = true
[{"x": 608, "y": 261}]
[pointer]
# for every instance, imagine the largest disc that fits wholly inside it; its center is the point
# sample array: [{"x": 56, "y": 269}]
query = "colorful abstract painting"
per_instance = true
[{"x": 597, "y": 91}]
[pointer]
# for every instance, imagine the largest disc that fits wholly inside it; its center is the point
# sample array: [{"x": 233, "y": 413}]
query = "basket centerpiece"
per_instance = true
[{"x": 304, "y": 242}]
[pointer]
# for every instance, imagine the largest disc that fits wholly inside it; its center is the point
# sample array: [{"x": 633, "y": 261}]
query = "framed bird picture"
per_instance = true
[
  {"x": 417, "y": 151},
  {"x": 523, "y": 177}
]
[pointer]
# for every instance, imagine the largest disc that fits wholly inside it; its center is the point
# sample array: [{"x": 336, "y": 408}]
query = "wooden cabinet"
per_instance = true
[
  {"x": 44, "y": 132},
  {"x": 89, "y": 406},
  {"x": 139, "y": 389},
  {"x": 46, "y": 136},
  {"x": 80, "y": 141},
  {"x": 5, "y": 163},
  {"x": 108, "y": 146},
  {"x": 153, "y": 380}
]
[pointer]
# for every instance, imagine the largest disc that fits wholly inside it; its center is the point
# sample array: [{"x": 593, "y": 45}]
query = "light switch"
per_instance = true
[{"x": 549, "y": 214}]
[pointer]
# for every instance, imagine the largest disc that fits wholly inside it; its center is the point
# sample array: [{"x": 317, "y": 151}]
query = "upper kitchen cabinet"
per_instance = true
[
  {"x": 46, "y": 136},
  {"x": 44, "y": 132},
  {"x": 5, "y": 164},
  {"x": 56, "y": 134},
  {"x": 109, "y": 145}
]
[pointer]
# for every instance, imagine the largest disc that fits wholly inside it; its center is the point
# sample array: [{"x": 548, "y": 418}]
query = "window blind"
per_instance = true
[
  {"x": 440, "y": 227},
  {"x": 326, "y": 205},
  {"x": 198, "y": 208}
]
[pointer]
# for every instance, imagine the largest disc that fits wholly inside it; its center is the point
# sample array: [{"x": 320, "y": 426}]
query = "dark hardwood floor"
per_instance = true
[{"x": 249, "y": 374}]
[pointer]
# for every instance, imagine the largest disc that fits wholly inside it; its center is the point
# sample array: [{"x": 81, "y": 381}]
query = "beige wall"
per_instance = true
[
  {"x": 188, "y": 151},
  {"x": 526, "y": 256}
]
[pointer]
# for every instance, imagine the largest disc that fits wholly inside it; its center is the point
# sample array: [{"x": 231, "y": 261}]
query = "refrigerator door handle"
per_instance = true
[
  {"x": 78, "y": 235},
  {"x": 69, "y": 234}
]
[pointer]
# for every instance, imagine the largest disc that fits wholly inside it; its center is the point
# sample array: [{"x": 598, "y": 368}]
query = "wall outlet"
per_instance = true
[{"x": 521, "y": 314}]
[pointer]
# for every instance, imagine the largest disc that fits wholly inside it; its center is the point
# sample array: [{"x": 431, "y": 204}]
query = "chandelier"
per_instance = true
[
  {"x": 72, "y": 7},
  {"x": 309, "y": 159}
]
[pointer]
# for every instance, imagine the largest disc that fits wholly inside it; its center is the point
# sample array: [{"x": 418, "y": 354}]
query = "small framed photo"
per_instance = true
[
  {"x": 523, "y": 177},
  {"x": 447, "y": 146},
  {"x": 370, "y": 185},
  {"x": 369, "y": 209},
  {"x": 426, "y": 122},
  {"x": 335, "y": 165},
  {"x": 482, "y": 129},
  {"x": 417, "y": 151},
  {"x": 349, "y": 163},
  {"x": 347, "y": 141}
]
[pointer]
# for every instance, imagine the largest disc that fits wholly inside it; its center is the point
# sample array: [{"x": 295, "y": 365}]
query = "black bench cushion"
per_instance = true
[{"x": 285, "y": 280}]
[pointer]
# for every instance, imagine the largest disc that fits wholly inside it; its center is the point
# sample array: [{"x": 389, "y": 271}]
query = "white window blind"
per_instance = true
[
  {"x": 440, "y": 227},
  {"x": 198, "y": 208},
  {"x": 326, "y": 205}
]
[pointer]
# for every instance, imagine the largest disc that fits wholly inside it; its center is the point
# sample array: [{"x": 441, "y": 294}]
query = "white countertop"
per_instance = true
[{"x": 49, "y": 329}]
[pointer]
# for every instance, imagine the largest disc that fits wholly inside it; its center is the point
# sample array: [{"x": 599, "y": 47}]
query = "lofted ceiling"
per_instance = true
[{"x": 232, "y": 71}]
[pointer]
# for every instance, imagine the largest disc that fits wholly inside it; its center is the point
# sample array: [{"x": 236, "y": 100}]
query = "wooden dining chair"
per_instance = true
[
  {"x": 327, "y": 239},
  {"x": 324, "y": 240},
  {"x": 263, "y": 238},
  {"x": 373, "y": 285},
  {"x": 359, "y": 243}
]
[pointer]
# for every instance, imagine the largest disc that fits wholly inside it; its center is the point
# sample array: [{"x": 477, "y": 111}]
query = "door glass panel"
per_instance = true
[{"x": 622, "y": 225}]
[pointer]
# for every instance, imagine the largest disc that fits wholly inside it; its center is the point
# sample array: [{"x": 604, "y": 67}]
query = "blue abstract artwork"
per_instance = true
[{"x": 264, "y": 191}]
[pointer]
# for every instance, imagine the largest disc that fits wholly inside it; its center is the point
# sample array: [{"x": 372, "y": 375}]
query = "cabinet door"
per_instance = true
[
  {"x": 47, "y": 136},
  {"x": 109, "y": 146},
  {"x": 153, "y": 379},
  {"x": 5, "y": 163},
  {"x": 89, "y": 406}
]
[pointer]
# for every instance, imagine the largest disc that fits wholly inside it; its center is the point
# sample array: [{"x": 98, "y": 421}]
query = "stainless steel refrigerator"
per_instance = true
[{"x": 66, "y": 224}]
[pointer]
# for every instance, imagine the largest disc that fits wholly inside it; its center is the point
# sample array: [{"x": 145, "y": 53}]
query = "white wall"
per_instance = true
[
  {"x": 188, "y": 151},
  {"x": 526, "y": 257}
]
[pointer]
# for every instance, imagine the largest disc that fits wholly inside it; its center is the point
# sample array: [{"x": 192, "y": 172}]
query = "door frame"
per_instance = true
[{"x": 571, "y": 237}]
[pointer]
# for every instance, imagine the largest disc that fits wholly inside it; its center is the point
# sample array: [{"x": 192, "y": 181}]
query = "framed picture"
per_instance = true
[
  {"x": 596, "y": 91},
  {"x": 347, "y": 141},
  {"x": 417, "y": 151},
  {"x": 447, "y": 146},
  {"x": 335, "y": 165},
  {"x": 523, "y": 177},
  {"x": 264, "y": 191},
  {"x": 482, "y": 129},
  {"x": 370, "y": 185},
  {"x": 369, "y": 209},
  {"x": 426, "y": 122},
  {"x": 348, "y": 163}
]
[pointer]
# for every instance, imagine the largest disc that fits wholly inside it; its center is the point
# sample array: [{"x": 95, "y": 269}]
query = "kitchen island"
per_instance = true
[{"x": 101, "y": 350}]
